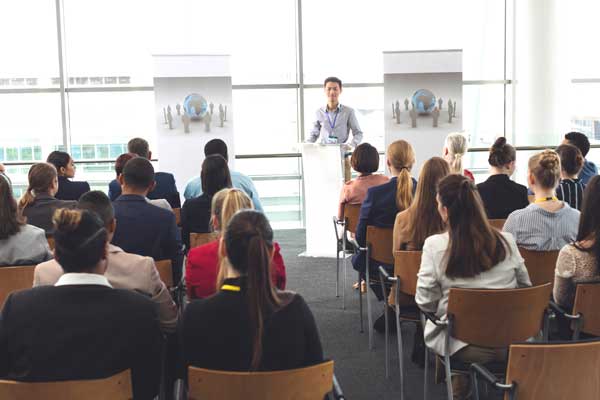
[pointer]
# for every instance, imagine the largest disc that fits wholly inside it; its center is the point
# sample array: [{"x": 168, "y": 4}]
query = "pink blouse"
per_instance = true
[{"x": 355, "y": 191}]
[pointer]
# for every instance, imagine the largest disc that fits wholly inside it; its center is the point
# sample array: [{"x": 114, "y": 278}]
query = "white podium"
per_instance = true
[{"x": 322, "y": 167}]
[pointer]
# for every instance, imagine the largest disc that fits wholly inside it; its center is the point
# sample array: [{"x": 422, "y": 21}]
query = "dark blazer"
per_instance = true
[
  {"x": 81, "y": 332},
  {"x": 165, "y": 189},
  {"x": 71, "y": 190},
  {"x": 216, "y": 334},
  {"x": 501, "y": 196},
  {"x": 40, "y": 212},
  {"x": 378, "y": 209},
  {"x": 195, "y": 217}
]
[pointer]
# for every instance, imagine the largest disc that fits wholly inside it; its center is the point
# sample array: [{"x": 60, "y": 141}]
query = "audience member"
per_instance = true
[
  {"x": 547, "y": 223},
  {"x": 65, "y": 167},
  {"x": 455, "y": 148},
  {"x": 80, "y": 328},
  {"x": 194, "y": 189},
  {"x": 203, "y": 261},
  {"x": 142, "y": 228},
  {"x": 499, "y": 193},
  {"x": 3, "y": 174},
  {"x": 471, "y": 254},
  {"x": 165, "y": 187},
  {"x": 195, "y": 213},
  {"x": 249, "y": 325},
  {"x": 123, "y": 270},
  {"x": 570, "y": 188},
  {"x": 38, "y": 203},
  {"x": 20, "y": 243},
  {"x": 365, "y": 161},
  {"x": 582, "y": 142}
]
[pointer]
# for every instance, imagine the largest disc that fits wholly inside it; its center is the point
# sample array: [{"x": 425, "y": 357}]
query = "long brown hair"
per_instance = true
[
  {"x": 401, "y": 156},
  {"x": 40, "y": 177},
  {"x": 249, "y": 243},
  {"x": 475, "y": 246},
  {"x": 425, "y": 220},
  {"x": 10, "y": 218}
]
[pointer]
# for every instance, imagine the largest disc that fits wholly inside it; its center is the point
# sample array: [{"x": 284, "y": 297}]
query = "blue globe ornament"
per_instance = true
[
  {"x": 195, "y": 106},
  {"x": 424, "y": 101}
]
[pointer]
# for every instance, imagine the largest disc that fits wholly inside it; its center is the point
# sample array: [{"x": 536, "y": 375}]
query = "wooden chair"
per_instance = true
[
  {"x": 50, "y": 240},
  {"x": 348, "y": 223},
  {"x": 116, "y": 387},
  {"x": 491, "y": 318},
  {"x": 540, "y": 265},
  {"x": 13, "y": 279},
  {"x": 585, "y": 315},
  {"x": 165, "y": 271},
  {"x": 547, "y": 371},
  {"x": 308, "y": 383},
  {"x": 406, "y": 268},
  {"x": 198, "y": 239},
  {"x": 497, "y": 223},
  {"x": 177, "y": 212}
]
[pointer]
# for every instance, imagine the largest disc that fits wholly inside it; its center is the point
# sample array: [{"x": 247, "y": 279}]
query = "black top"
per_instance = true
[
  {"x": 71, "y": 190},
  {"x": 501, "y": 196},
  {"x": 81, "y": 332},
  {"x": 571, "y": 191},
  {"x": 40, "y": 212},
  {"x": 165, "y": 189},
  {"x": 215, "y": 333},
  {"x": 195, "y": 217}
]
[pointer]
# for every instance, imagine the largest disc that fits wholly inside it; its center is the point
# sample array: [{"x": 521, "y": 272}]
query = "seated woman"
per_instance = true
[
  {"x": 65, "y": 167},
  {"x": 20, "y": 244},
  {"x": 547, "y": 223},
  {"x": 203, "y": 261},
  {"x": 500, "y": 195},
  {"x": 471, "y": 254},
  {"x": 38, "y": 203},
  {"x": 365, "y": 161},
  {"x": 249, "y": 325},
  {"x": 455, "y": 148},
  {"x": 570, "y": 188},
  {"x": 195, "y": 213}
]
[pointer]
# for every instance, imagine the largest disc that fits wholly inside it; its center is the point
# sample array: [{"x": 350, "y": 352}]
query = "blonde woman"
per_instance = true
[
  {"x": 455, "y": 148},
  {"x": 202, "y": 267}
]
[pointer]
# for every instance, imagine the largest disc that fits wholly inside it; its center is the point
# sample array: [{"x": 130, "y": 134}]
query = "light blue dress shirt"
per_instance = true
[{"x": 333, "y": 127}]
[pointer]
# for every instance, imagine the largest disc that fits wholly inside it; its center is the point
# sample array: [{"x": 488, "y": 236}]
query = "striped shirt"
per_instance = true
[
  {"x": 537, "y": 229},
  {"x": 570, "y": 191}
]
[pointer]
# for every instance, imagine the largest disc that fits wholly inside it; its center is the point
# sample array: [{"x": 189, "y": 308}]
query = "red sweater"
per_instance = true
[{"x": 202, "y": 268}]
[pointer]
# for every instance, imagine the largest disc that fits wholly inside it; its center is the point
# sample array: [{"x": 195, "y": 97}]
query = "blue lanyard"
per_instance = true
[{"x": 332, "y": 126}]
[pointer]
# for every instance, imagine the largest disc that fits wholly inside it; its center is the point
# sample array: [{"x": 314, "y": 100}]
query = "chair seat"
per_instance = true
[
  {"x": 495, "y": 367},
  {"x": 410, "y": 313}
]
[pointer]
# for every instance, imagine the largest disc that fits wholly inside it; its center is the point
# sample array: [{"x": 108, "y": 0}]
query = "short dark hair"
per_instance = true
[
  {"x": 59, "y": 159},
  {"x": 215, "y": 174},
  {"x": 216, "y": 146},
  {"x": 138, "y": 173},
  {"x": 99, "y": 203},
  {"x": 571, "y": 159},
  {"x": 122, "y": 160},
  {"x": 139, "y": 146},
  {"x": 580, "y": 141},
  {"x": 365, "y": 159},
  {"x": 334, "y": 80}
]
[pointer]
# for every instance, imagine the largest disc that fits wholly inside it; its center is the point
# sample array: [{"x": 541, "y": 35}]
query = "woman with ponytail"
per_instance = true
[
  {"x": 470, "y": 254},
  {"x": 249, "y": 325},
  {"x": 500, "y": 195},
  {"x": 203, "y": 262},
  {"x": 38, "y": 203},
  {"x": 455, "y": 148}
]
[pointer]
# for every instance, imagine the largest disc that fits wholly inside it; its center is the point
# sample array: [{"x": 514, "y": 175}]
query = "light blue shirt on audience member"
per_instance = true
[{"x": 238, "y": 180}]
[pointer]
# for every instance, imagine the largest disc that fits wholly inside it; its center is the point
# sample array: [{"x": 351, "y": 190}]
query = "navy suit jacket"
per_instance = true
[
  {"x": 165, "y": 189},
  {"x": 71, "y": 190},
  {"x": 378, "y": 209}
]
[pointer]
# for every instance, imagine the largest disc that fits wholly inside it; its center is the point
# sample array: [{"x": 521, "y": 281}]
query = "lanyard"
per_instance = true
[
  {"x": 231, "y": 288},
  {"x": 546, "y": 199},
  {"x": 332, "y": 125}
]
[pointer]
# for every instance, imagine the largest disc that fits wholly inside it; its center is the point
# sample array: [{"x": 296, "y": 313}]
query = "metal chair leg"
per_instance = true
[
  {"x": 425, "y": 379},
  {"x": 448, "y": 376},
  {"x": 344, "y": 250},
  {"x": 400, "y": 351},
  {"x": 337, "y": 273},
  {"x": 369, "y": 315},
  {"x": 360, "y": 304},
  {"x": 387, "y": 336}
]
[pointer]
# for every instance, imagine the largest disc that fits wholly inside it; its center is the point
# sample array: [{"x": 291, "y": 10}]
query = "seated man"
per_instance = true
[
  {"x": 193, "y": 188},
  {"x": 165, "y": 182},
  {"x": 142, "y": 228},
  {"x": 81, "y": 328},
  {"x": 123, "y": 270}
]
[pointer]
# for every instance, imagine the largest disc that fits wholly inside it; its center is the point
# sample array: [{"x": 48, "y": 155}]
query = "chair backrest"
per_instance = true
[
  {"x": 116, "y": 387},
  {"x": 177, "y": 212},
  {"x": 308, "y": 383},
  {"x": 555, "y": 371},
  {"x": 50, "y": 240},
  {"x": 351, "y": 214},
  {"x": 13, "y": 279},
  {"x": 497, "y": 318},
  {"x": 540, "y": 265},
  {"x": 381, "y": 242},
  {"x": 497, "y": 223},
  {"x": 406, "y": 268},
  {"x": 165, "y": 271},
  {"x": 198, "y": 239},
  {"x": 587, "y": 298}
]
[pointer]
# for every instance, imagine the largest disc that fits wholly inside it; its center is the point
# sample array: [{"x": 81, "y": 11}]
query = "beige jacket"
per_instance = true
[{"x": 124, "y": 271}]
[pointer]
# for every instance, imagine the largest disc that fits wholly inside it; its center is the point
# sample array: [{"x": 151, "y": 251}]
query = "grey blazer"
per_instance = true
[
  {"x": 40, "y": 212},
  {"x": 26, "y": 247}
]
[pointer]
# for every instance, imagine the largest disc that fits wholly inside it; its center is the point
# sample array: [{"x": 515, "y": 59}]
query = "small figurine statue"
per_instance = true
[
  {"x": 436, "y": 115},
  {"x": 178, "y": 108},
  {"x": 207, "y": 121},
  {"x": 212, "y": 106},
  {"x": 413, "y": 117},
  {"x": 393, "y": 111},
  {"x": 185, "y": 118},
  {"x": 440, "y": 103},
  {"x": 225, "y": 118},
  {"x": 450, "y": 112},
  {"x": 405, "y": 104},
  {"x": 169, "y": 118},
  {"x": 454, "y": 109},
  {"x": 165, "y": 115},
  {"x": 397, "y": 112},
  {"x": 221, "y": 115}
]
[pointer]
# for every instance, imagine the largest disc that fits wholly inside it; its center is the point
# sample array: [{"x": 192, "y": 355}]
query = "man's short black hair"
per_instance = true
[
  {"x": 138, "y": 173},
  {"x": 334, "y": 80},
  {"x": 139, "y": 146},
  {"x": 216, "y": 146},
  {"x": 580, "y": 141},
  {"x": 99, "y": 203}
]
